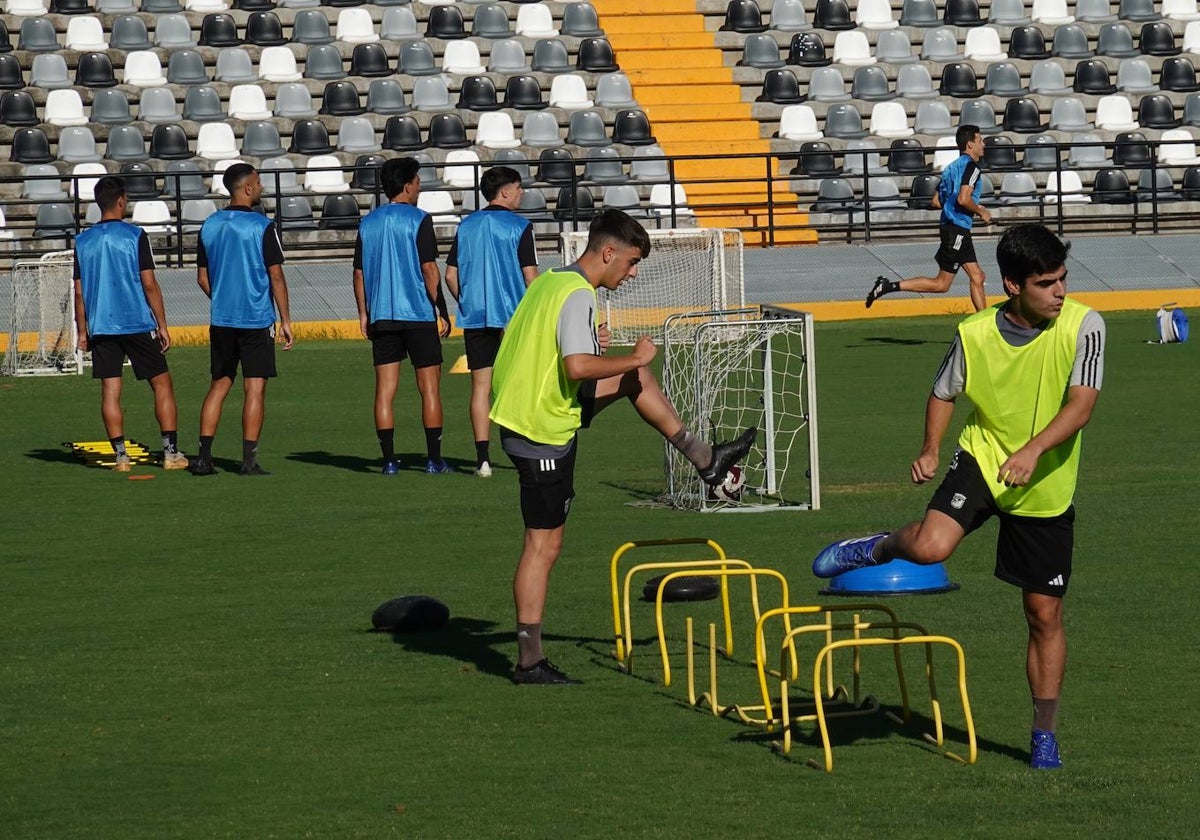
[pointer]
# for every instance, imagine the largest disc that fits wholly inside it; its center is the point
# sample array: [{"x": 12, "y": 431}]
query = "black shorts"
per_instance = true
[
  {"x": 547, "y": 487},
  {"x": 417, "y": 340},
  {"x": 1033, "y": 553},
  {"x": 482, "y": 345},
  {"x": 143, "y": 349},
  {"x": 957, "y": 248},
  {"x": 254, "y": 349}
]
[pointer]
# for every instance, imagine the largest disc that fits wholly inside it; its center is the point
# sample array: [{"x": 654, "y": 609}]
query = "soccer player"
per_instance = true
[
  {"x": 492, "y": 261},
  {"x": 551, "y": 378},
  {"x": 958, "y": 197},
  {"x": 401, "y": 308},
  {"x": 1032, "y": 366},
  {"x": 119, "y": 312},
  {"x": 239, "y": 265}
]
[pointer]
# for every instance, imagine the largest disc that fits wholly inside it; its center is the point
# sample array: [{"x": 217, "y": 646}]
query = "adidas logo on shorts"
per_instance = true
[{"x": 1057, "y": 580}]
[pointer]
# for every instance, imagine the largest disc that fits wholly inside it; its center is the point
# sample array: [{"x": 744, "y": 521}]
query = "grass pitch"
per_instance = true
[{"x": 184, "y": 657}]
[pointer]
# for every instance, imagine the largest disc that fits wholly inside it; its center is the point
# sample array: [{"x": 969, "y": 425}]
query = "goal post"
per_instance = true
[
  {"x": 727, "y": 370},
  {"x": 41, "y": 333},
  {"x": 687, "y": 270}
]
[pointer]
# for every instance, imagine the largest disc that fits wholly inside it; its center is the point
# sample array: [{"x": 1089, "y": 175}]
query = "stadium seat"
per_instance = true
[
  {"x": 1131, "y": 149},
  {"x": 186, "y": 67},
  {"x": 86, "y": 34},
  {"x": 17, "y": 108},
  {"x": 1177, "y": 147},
  {"x": 888, "y": 119},
  {"x": 49, "y": 72},
  {"x": 581, "y": 21},
  {"x": 169, "y": 141},
  {"x": 586, "y": 128},
  {"x": 922, "y": 191},
  {"x": 356, "y": 135},
  {"x": 1088, "y": 152},
  {"x": 962, "y": 13},
  {"x": 959, "y": 80},
  {"x": 893, "y": 47},
  {"x": 324, "y": 62},
  {"x": 386, "y": 97},
  {"x": 816, "y": 160},
  {"x": 399, "y": 24},
  {"x": 668, "y": 200},
  {"x": 143, "y": 69},
  {"x": 1183, "y": 10},
  {"x": 25, "y": 8},
  {"x": 596, "y": 56},
  {"x": 835, "y": 195},
  {"x": 556, "y": 166},
  {"x": 141, "y": 181},
  {"x": 445, "y": 22},
  {"x": 248, "y": 102},
  {"x": 533, "y": 21},
  {"x": 844, "y": 121},
  {"x": 324, "y": 175},
  {"x": 631, "y": 127},
  {"x": 461, "y": 170},
  {"x": 341, "y": 99},
  {"x": 1069, "y": 114},
  {"x": 157, "y": 105},
  {"x": 278, "y": 64},
  {"x": 1004, "y": 79},
  {"x": 366, "y": 172},
  {"x": 194, "y": 212},
  {"x": 874, "y": 15},
  {"x": 1051, "y": 12},
  {"x": 604, "y": 166},
  {"x": 295, "y": 213},
  {"x": 1191, "y": 38},
  {"x": 743, "y": 16},
  {"x": 1134, "y": 76},
  {"x": 83, "y": 180},
  {"x": 1047, "y": 78},
  {"x": 533, "y": 206},
  {"x": 779, "y": 86},
  {"x": 508, "y": 57},
  {"x": 870, "y": 84},
  {"x": 430, "y": 95},
  {"x": 182, "y": 179},
  {"x": 495, "y": 131},
  {"x": 129, "y": 34},
  {"x": 205, "y": 5},
  {"x": 235, "y": 67},
  {"x": 1157, "y": 39},
  {"x": 861, "y": 157},
  {"x": 219, "y": 30},
  {"x": 310, "y": 27},
  {"x": 1018, "y": 188},
  {"x": 310, "y": 137},
  {"x": 518, "y": 160},
  {"x": 402, "y": 134},
  {"x": 369, "y": 61},
  {"x": 125, "y": 144},
  {"x": 789, "y": 16},
  {"x": 440, "y": 205},
  {"x": 798, "y": 122},
  {"x": 1156, "y": 186},
  {"x": 110, "y": 107},
  {"x": 541, "y": 131},
  {"x": 63, "y": 108},
  {"x": 913, "y": 82},
  {"x": 116, "y": 7},
  {"x": 832, "y": 15},
  {"x": 173, "y": 32},
  {"x": 42, "y": 183},
  {"x": 884, "y": 194},
  {"x": 999, "y": 154},
  {"x": 1091, "y": 77},
  {"x": 983, "y": 44},
  {"x": 1027, "y": 42},
  {"x": 940, "y": 45},
  {"x": 159, "y": 7},
  {"x": 852, "y": 49},
  {"x": 1115, "y": 41},
  {"x": 215, "y": 141},
  {"x": 613, "y": 90},
  {"x": 649, "y": 164},
  {"x": 1094, "y": 11},
  {"x": 933, "y": 118},
  {"x": 1191, "y": 110},
  {"x": 446, "y": 131},
  {"x": 807, "y": 50},
  {"x": 758, "y": 51},
  {"x": 1021, "y": 116},
  {"x": 1138, "y": 11},
  {"x": 1191, "y": 184},
  {"x": 1179, "y": 75},
  {"x": 264, "y": 29},
  {"x": 1156, "y": 111},
  {"x": 523, "y": 93},
  {"x": 979, "y": 112},
  {"x": 38, "y": 35},
  {"x": 1008, "y": 13},
  {"x": 478, "y": 93},
  {"x": 354, "y": 26},
  {"x": 827, "y": 85},
  {"x": 491, "y": 22},
  {"x": 340, "y": 212},
  {"x": 570, "y": 93},
  {"x": 416, "y": 59},
  {"x": 203, "y": 104},
  {"x": 922, "y": 13},
  {"x": 1071, "y": 42},
  {"x": 623, "y": 197},
  {"x": 54, "y": 221},
  {"x": 1041, "y": 152}
]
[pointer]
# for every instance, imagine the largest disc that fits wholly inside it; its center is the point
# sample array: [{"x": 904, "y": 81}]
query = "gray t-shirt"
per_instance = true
[
  {"x": 1088, "y": 369},
  {"x": 576, "y": 334}
]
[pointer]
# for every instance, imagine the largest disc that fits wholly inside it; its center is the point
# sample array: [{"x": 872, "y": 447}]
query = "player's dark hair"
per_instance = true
[
  {"x": 1026, "y": 251},
  {"x": 617, "y": 226},
  {"x": 236, "y": 175},
  {"x": 965, "y": 134},
  {"x": 496, "y": 179},
  {"x": 397, "y": 173},
  {"x": 108, "y": 190}
]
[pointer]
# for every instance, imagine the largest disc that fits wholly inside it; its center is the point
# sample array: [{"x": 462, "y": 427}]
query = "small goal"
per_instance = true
[
  {"x": 725, "y": 371},
  {"x": 688, "y": 270},
  {"x": 41, "y": 334}
]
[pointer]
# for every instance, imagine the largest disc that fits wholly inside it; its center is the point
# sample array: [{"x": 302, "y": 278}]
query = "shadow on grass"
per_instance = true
[
  {"x": 638, "y": 491},
  {"x": 409, "y": 462},
  {"x": 875, "y": 340},
  {"x": 58, "y": 456}
]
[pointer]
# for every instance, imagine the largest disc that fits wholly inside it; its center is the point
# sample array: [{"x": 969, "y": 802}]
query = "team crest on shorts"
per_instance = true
[{"x": 957, "y": 501}]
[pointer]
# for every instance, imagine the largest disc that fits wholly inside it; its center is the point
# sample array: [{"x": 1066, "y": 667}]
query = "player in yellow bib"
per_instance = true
[
  {"x": 1032, "y": 367},
  {"x": 550, "y": 378}
]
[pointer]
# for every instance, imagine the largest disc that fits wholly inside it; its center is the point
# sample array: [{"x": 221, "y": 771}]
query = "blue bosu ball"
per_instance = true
[{"x": 898, "y": 577}]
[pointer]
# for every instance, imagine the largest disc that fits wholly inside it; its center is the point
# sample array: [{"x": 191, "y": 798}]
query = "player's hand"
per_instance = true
[
  {"x": 985, "y": 216},
  {"x": 363, "y": 326},
  {"x": 443, "y": 325},
  {"x": 925, "y": 467},
  {"x": 82, "y": 343},
  {"x": 285, "y": 329},
  {"x": 604, "y": 336},
  {"x": 644, "y": 351},
  {"x": 164, "y": 339},
  {"x": 1018, "y": 469}
]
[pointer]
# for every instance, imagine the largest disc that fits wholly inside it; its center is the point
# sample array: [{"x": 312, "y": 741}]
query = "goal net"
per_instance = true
[
  {"x": 688, "y": 270},
  {"x": 726, "y": 371},
  {"x": 41, "y": 334}
]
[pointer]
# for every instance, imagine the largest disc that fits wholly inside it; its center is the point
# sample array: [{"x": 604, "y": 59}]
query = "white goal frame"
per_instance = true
[
  {"x": 728, "y": 370},
  {"x": 687, "y": 270},
  {"x": 42, "y": 338}
]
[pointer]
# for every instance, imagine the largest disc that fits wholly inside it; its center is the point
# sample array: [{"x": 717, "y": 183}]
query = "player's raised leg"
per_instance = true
[{"x": 927, "y": 541}]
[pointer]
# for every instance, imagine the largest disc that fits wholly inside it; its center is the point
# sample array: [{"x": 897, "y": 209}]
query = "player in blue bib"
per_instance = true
[
  {"x": 119, "y": 313},
  {"x": 491, "y": 263},
  {"x": 239, "y": 265}
]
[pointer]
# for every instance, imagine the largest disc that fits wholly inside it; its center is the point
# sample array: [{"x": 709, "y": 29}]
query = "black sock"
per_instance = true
[
  {"x": 170, "y": 442},
  {"x": 433, "y": 442},
  {"x": 481, "y": 452},
  {"x": 118, "y": 445},
  {"x": 529, "y": 645},
  {"x": 206, "y": 447},
  {"x": 249, "y": 452},
  {"x": 387, "y": 443},
  {"x": 890, "y": 286}
]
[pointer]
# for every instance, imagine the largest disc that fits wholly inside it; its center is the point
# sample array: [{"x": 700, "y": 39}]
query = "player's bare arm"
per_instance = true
[
  {"x": 583, "y": 366},
  {"x": 938, "y": 413},
  {"x": 80, "y": 317},
  {"x": 603, "y": 337},
  {"x": 433, "y": 289},
  {"x": 1073, "y": 416},
  {"x": 202, "y": 281},
  {"x": 452, "y": 281},
  {"x": 154, "y": 298},
  {"x": 360, "y": 300},
  {"x": 967, "y": 202},
  {"x": 279, "y": 293}
]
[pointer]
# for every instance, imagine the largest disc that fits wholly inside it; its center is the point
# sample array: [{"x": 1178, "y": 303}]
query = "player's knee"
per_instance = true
[
  {"x": 1044, "y": 615},
  {"x": 928, "y": 550}
]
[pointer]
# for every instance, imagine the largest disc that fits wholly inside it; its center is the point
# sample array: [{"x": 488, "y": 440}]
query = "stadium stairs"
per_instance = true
[{"x": 682, "y": 83}]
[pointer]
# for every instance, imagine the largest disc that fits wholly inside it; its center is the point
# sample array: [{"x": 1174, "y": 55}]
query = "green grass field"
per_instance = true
[{"x": 191, "y": 658}]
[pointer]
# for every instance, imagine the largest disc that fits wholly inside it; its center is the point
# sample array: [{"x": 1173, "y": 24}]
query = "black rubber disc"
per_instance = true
[
  {"x": 411, "y": 614},
  {"x": 688, "y": 588}
]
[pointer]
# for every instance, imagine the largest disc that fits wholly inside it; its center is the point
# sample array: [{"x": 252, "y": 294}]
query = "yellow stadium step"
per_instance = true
[
  {"x": 710, "y": 132},
  {"x": 641, "y": 24},
  {"x": 728, "y": 168},
  {"x": 658, "y": 59},
  {"x": 651, "y": 40},
  {"x": 637, "y": 8},
  {"x": 711, "y": 94},
  {"x": 691, "y": 113}
]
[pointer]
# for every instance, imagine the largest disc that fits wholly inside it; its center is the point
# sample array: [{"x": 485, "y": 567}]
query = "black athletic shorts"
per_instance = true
[
  {"x": 393, "y": 341},
  {"x": 254, "y": 349},
  {"x": 1033, "y": 553},
  {"x": 482, "y": 345},
  {"x": 547, "y": 487},
  {"x": 956, "y": 249},
  {"x": 143, "y": 349}
]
